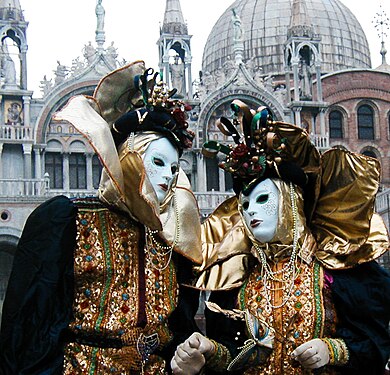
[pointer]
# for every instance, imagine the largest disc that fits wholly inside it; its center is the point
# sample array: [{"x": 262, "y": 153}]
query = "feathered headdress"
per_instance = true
[
  {"x": 339, "y": 187},
  {"x": 263, "y": 148},
  {"x": 157, "y": 112}
]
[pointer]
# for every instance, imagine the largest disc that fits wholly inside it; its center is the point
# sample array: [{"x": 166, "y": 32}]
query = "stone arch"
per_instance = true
[
  {"x": 247, "y": 95},
  {"x": 55, "y": 145},
  {"x": 16, "y": 34},
  {"x": 77, "y": 146},
  {"x": 372, "y": 151},
  {"x": 55, "y": 101},
  {"x": 310, "y": 46},
  {"x": 183, "y": 51}
]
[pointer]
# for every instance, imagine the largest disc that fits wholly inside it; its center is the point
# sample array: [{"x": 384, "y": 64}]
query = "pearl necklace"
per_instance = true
[
  {"x": 160, "y": 250},
  {"x": 288, "y": 273}
]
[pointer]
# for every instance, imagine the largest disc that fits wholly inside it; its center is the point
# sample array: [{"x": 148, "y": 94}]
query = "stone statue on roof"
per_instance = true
[
  {"x": 238, "y": 32},
  {"x": 100, "y": 13}
]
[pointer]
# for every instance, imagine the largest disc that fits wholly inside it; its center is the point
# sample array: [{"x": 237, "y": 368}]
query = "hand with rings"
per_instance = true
[
  {"x": 191, "y": 355},
  {"x": 312, "y": 354}
]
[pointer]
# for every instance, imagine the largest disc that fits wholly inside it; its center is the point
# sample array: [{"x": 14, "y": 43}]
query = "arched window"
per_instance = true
[
  {"x": 365, "y": 122},
  {"x": 53, "y": 166},
  {"x": 96, "y": 171},
  {"x": 369, "y": 153},
  {"x": 77, "y": 171},
  {"x": 336, "y": 124}
]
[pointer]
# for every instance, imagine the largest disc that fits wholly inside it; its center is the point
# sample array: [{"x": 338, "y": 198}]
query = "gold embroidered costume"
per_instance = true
[
  {"x": 312, "y": 280},
  {"x": 102, "y": 288}
]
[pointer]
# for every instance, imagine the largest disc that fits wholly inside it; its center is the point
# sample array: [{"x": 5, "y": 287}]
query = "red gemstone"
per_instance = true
[
  {"x": 297, "y": 281},
  {"x": 89, "y": 268}
]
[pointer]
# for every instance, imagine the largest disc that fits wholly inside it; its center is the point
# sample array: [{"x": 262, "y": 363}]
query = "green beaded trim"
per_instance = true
[
  {"x": 242, "y": 295},
  {"x": 221, "y": 358},
  {"x": 318, "y": 300}
]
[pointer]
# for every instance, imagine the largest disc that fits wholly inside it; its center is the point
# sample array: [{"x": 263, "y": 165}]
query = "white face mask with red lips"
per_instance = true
[
  {"x": 161, "y": 161},
  {"x": 261, "y": 210}
]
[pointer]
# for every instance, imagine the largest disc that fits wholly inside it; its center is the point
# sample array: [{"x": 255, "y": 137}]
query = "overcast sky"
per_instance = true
[{"x": 58, "y": 30}]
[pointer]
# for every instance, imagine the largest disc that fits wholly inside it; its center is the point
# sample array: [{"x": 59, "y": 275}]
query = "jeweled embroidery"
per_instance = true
[
  {"x": 305, "y": 306},
  {"x": 106, "y": 291}
]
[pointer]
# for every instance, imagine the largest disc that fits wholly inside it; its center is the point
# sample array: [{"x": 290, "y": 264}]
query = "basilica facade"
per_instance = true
[{"x": 308, "y": 61}]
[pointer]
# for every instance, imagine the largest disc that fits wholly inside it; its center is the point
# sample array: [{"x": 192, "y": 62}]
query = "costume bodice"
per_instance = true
[
  {"x": 305, "y": 313},
  {"x": 125, "y": 289}
]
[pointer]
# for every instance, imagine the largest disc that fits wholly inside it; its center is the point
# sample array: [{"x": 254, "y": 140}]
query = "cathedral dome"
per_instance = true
[{"x": 266, "y": 25}]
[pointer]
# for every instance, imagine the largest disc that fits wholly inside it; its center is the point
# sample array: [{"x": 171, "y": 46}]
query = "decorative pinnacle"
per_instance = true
[{"x": 381, "y": 23}]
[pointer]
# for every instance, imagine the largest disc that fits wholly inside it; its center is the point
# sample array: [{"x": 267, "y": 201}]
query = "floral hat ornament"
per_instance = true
[
  {"x": 159, "y": 113},
  {"x": 261, "y": 150}
]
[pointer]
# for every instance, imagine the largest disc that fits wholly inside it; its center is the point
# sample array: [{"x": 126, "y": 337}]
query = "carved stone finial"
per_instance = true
[{"x": 382, "y": 25}]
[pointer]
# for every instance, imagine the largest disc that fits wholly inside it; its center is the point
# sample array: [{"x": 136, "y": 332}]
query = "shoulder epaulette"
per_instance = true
[{"x": 88, "y": 203}]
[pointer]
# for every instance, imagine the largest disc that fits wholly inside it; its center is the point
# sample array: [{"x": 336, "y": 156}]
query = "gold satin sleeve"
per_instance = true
[
  {"x": 346, "y": 231},
  {"x": 183, "y": 224},
  {"x": 225, "y": 247}
]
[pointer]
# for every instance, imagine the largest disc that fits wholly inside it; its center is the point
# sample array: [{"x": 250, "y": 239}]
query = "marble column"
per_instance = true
[
  {"x": 26, "y": 110},
  {"x": 38, "y": 162},
  {"x": 319, "y": 83},
  {"x": 201, "y": 173},
  {"x": 296, "y": 81},
  {"x": 65, "y": 172},
  {"x": 1, "y": 162},
  {"x": 89, "y": 172},
  {"x": 27, "y": 148},
  {"x": 23, "y": 63},
  {"x": 297, "y": 114}
]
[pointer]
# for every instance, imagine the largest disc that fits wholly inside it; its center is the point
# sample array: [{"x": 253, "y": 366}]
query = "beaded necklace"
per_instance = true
[{"x": 155, "y": 246}]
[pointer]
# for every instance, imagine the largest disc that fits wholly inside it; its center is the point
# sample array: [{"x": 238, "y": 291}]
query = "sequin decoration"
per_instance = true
[
  {"x": 304, "y": 307},
  {"x": 106, "y": 304}
]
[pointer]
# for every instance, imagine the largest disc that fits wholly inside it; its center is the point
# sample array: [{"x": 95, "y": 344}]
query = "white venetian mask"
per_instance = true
[
  {"x": 260, "y": 210},
  {"x": 161, "y": 160}
]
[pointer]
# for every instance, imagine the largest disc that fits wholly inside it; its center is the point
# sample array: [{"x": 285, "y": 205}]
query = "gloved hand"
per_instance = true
[
  {"x": 312, "y": 354},
  {"x": 191, "y": 355}
]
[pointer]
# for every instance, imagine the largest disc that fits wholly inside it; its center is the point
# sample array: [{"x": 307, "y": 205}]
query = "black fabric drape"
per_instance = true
[
  {"x": 38, "y": 304},
  {"x": 362, "y": 300}
]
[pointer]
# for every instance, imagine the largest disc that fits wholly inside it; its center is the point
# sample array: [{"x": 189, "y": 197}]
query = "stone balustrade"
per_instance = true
[{"x": 16, "y": 133}]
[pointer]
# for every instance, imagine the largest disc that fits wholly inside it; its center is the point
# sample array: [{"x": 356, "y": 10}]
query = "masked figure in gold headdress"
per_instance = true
[
  {"x": 97, "y": 283},
  {"x": 290, "y": 260}
]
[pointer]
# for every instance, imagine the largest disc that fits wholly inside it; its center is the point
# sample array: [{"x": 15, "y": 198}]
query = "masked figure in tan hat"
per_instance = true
[
  {"x": 290, "y": 259},
  {"x": 97, "y": 285}
]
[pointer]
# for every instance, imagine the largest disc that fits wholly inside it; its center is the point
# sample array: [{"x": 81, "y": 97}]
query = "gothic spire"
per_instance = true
[
  {"x": 173, "y": 19},
  {"x": 300, "y": 23},
  {"x": 11, "y": 10}
]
